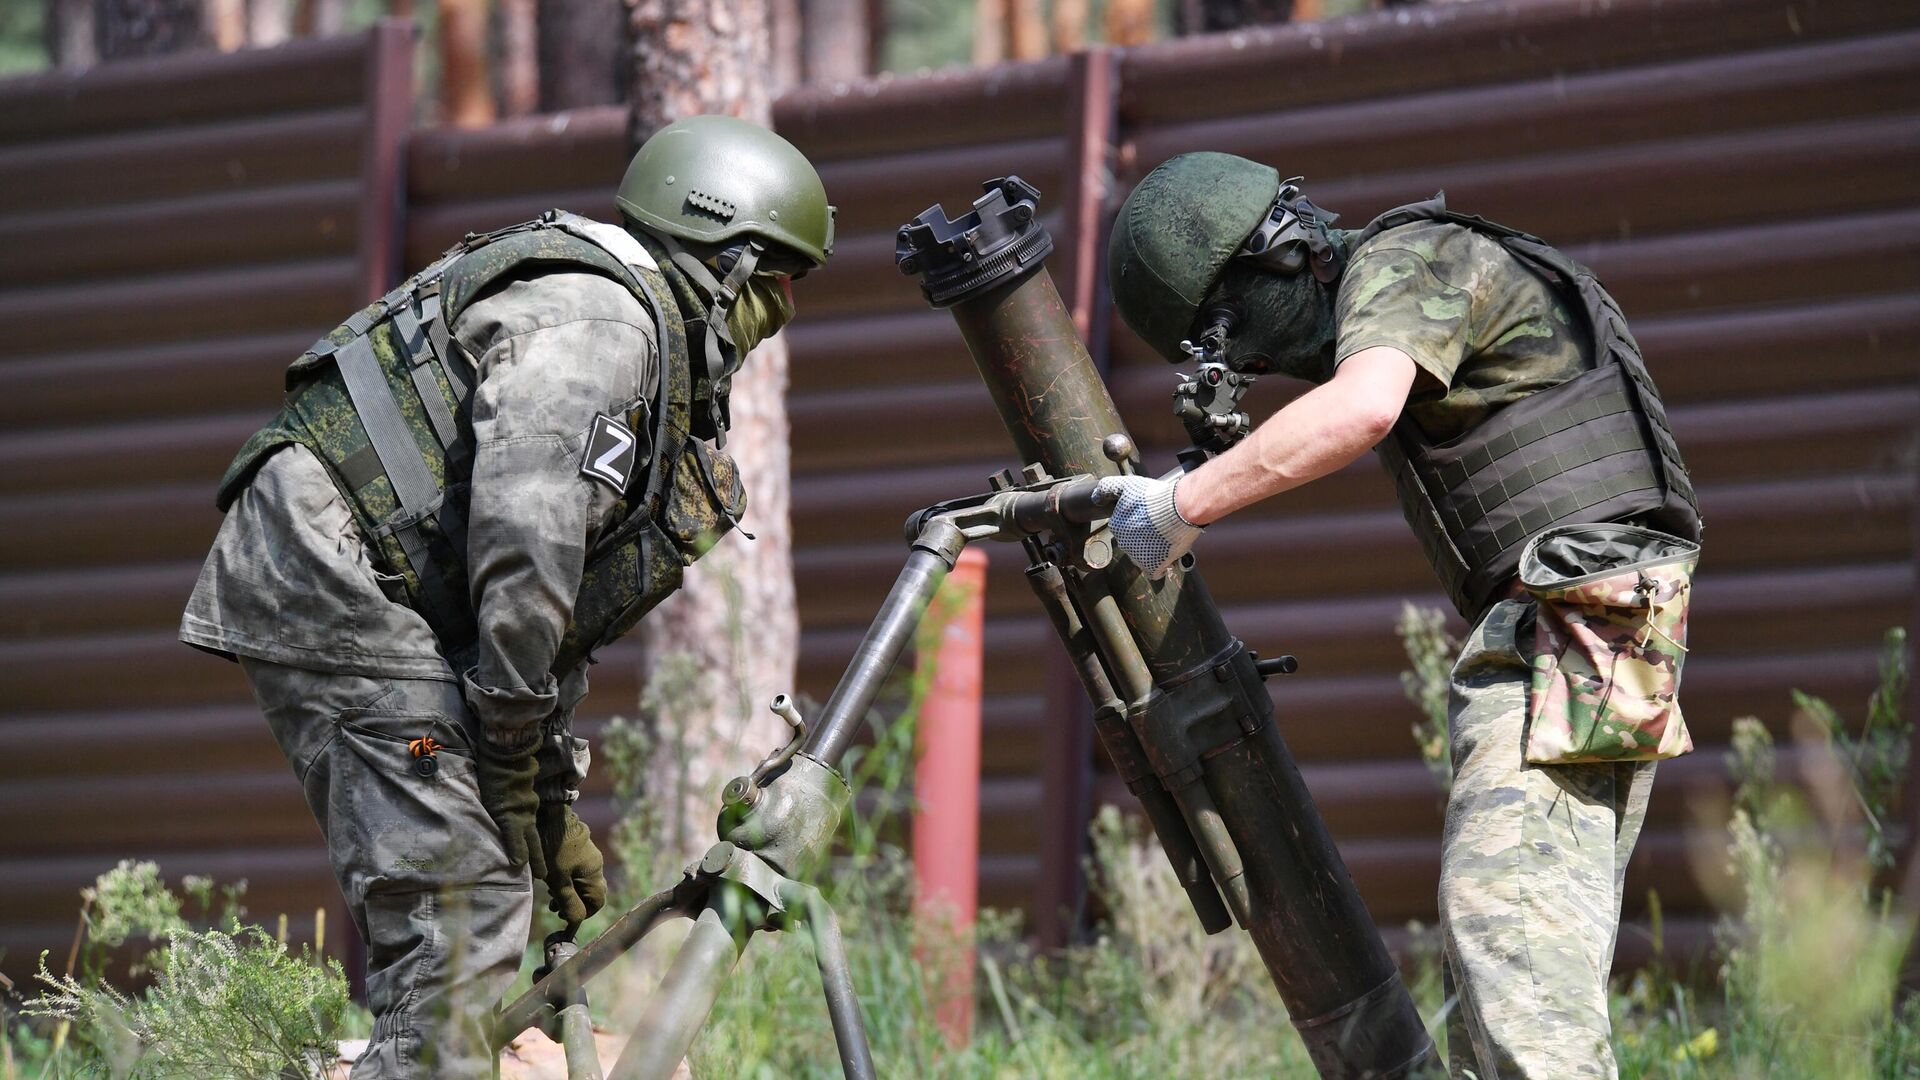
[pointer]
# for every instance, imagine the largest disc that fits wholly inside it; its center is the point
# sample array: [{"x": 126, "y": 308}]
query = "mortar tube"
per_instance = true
[{"x": 1057, "y": 410}]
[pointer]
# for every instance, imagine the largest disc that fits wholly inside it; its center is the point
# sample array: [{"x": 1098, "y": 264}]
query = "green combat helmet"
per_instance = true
[
  {"x": 718, "y": 180},
  {"x": 1203, "y": 225},
  {"x": 745, "y": 202}
]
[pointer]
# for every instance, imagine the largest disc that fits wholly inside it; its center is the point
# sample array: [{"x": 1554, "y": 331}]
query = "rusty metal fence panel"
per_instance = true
[{"x": 174, "y": 233}]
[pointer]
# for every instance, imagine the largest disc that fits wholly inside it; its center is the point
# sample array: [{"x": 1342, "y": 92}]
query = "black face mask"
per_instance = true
[{"x": 1285, "y": 323}]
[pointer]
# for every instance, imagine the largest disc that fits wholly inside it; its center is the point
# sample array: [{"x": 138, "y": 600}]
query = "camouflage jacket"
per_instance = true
[
  {"x": 1484, "y": 330},
  {"x": 290, "y": 578}
]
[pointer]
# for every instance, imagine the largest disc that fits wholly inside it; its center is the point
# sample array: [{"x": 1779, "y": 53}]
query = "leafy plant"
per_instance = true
[
  {"x": 1431, "y": 652},
  {"x": 228, "y": 1002}
]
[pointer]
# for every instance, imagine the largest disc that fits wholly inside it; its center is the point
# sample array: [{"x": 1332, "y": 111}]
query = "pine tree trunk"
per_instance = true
[
  {"x": 516, "y": 57},
  {"x": 1026, "y": 30},
  {"x": 124, "y": 29},
  {"x": 582, "y": 53},
  {"x": 735, "y": 619},
  {"x": 319, "y": 18},
  {"x": 1130, "y": 22},
  {"x": 269, "y": 22},
  {"x": 1069, "y": 25},
  {"x": 989, "y": 31},
  {"x": 839, "y": 43},
  {"x": 786, "y": 38},
  {"x": 226, "y": 23},
  {"x": 69, "y": 31},
  {"x": 466, "y": 99}
]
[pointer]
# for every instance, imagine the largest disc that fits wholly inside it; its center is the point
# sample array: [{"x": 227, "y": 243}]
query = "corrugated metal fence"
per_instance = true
[
  {"x": 174, "y": 232},
  {"x": 1741, "y": 172}
]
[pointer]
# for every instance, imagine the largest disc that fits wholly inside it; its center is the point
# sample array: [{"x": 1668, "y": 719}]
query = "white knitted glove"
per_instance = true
[{"x": 1146, "y": 523}]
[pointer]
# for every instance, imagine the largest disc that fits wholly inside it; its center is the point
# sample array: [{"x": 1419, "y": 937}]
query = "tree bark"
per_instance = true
[
  {"x": 69, "y": 32},
  {"x": 1026, "y": 30},
  {"x": 989, "y": 31},
  {"x": 516, "y": 57},
  {"x": 1130, "y": 22},
  {"x": 582, "y": 53},
  {"x": 1069, "y": 25},
  {"x": 735, "y": 619},
  {"x": 124, "y": 29},
  {"x": 465, "y": 98},
  {"x": 839, "y": 42},
  {"x": 787, "y": 34},
  {"x": 269, "y": 22},
  {"x": 226, "y": 23},
  {"x": 319, "y": 18}
]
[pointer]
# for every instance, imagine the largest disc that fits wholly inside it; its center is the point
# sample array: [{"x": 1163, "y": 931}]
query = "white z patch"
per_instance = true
[{"x": 610, "y": 453}]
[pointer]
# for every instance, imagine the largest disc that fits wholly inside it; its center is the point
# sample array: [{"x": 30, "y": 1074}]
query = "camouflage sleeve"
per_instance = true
[
  {"x": 1391, "y": 296},
  {"x": 554, "y": 352}
]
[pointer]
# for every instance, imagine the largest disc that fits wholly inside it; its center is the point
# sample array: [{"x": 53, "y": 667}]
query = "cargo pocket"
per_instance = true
[
  {"x": 1609, "y": 641},
  {"x": 409, "y": 810}
]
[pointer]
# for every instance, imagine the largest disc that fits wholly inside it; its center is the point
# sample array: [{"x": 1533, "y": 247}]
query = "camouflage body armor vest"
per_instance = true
[
  {"x": 384, "y": 403},
  {"x": 1596, "y": 448}
]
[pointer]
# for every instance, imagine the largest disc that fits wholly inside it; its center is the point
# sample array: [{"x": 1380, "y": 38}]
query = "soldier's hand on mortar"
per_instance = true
[
  {"x": 506, "y": 790},
  {"x": 1146, "y": 523},
  {"x": 576, "y": 872}
]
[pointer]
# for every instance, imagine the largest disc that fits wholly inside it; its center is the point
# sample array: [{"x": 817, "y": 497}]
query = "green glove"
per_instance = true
[
  {"x": 506, "y": 790},
  {"x": 576, "y": 872}
]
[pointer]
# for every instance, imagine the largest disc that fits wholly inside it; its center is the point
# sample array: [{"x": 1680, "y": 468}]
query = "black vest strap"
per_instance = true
[
  {"x": 414, "y": 487},
  {"x": 420, "y": 356}
]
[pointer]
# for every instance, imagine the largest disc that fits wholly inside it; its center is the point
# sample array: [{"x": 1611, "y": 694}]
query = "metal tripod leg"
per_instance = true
[{"x": 572, "y": 1026}]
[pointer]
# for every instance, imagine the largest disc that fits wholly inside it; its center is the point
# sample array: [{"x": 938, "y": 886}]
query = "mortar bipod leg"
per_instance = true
[
  {"x": 836, "y": 978},
  {"x": 686, "y": 995},
  {"x": 540, "y": 1002},
  {"x": 572, "y": 1026}
]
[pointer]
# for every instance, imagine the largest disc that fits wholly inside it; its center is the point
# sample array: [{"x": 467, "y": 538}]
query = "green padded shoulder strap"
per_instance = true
[{"x": 472, "y": 273}]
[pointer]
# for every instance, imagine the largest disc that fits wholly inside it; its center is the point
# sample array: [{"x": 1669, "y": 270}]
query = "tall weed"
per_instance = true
[{"x": 228, "y": 1001}]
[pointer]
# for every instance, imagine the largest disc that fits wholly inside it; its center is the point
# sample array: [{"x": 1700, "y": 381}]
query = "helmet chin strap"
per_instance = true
[{"x": 721, "y": 354}]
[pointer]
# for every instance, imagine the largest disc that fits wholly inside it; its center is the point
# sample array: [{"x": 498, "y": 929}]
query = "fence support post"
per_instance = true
[
  {"x": 1066, "y": 782},
  {"x": 946, "y": 818},
  {"x": 383, "y": 155}
]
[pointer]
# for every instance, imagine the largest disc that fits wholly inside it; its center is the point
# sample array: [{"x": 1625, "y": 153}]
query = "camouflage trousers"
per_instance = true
[
  {"x": 1532, "y": 868},
  {"x": 425, "y": 875}
]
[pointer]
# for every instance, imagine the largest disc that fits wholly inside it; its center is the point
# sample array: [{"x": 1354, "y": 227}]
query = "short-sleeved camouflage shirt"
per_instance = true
[{"x": 1488, "y": 330}]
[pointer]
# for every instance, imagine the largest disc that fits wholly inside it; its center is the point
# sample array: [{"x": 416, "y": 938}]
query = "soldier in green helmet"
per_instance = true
[
  {"x": 1532, "y": 457},
  {"x": 475, "y": 482}
]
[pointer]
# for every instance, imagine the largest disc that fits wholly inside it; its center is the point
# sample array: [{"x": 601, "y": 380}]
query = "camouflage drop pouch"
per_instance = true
[{"x": 1609, "y": 640}]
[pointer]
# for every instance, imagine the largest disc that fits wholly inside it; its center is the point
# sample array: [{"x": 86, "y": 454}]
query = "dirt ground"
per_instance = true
[{"x": 532, "y": 1056}]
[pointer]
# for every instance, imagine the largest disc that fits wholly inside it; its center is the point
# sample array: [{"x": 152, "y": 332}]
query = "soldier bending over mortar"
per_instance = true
[
  {"x": 1532, "y": 456},
  {"x": 492, "y": 471}
]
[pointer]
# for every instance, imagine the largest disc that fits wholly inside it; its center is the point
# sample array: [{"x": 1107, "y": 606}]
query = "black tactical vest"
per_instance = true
[
  {"x": 1596, "y": 448},
  {"x": 384, "y": 402}
]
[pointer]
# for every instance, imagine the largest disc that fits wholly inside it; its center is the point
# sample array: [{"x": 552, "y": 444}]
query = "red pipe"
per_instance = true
[{"x": 946, "y": 819}]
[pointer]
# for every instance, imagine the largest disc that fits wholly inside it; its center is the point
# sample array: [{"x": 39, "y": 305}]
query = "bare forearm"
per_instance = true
[{"x": 1316, "y": 434}]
